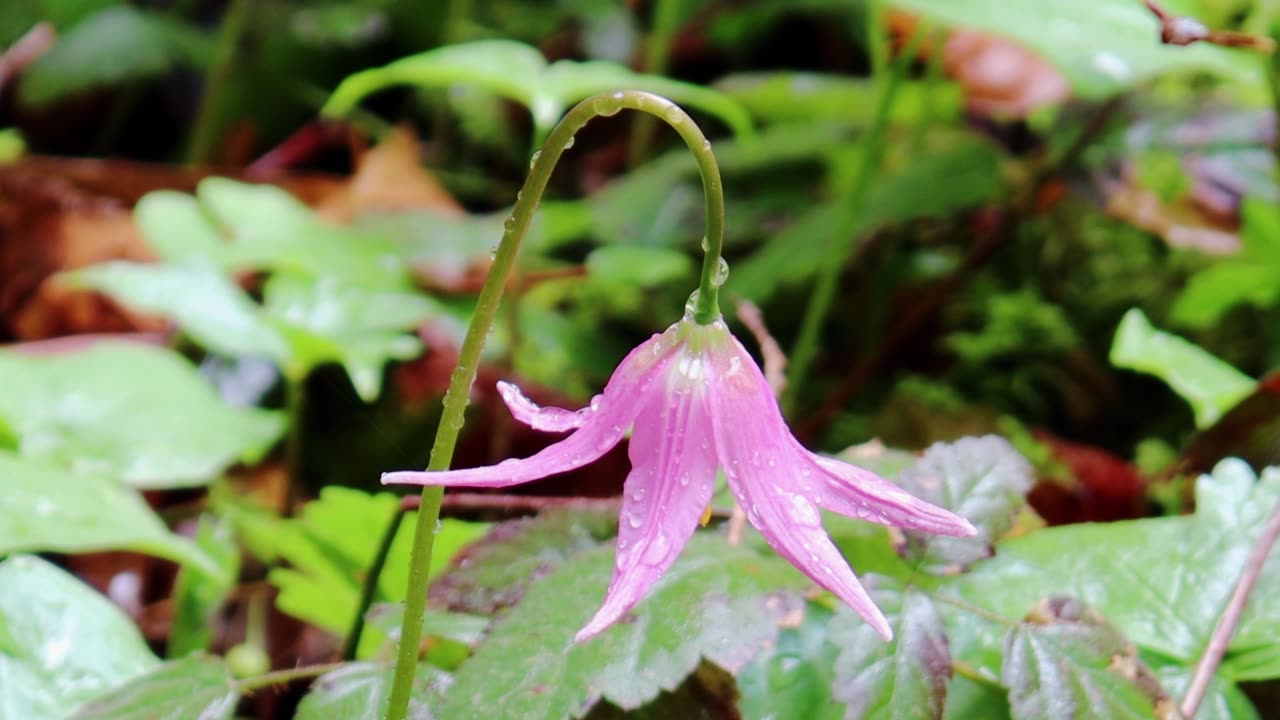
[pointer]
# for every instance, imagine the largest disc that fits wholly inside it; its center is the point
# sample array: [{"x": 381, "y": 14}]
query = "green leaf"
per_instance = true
[
  {"x": 981, "y": 479},
  {"x": 136, "y": 412},
  {"x": 1065, "y": 662},
  {"x": 1223, "y": 701},
  {"x": 114, "y": 45},
  {"x": 904, "y": 679},
  {"x": 1252, "y": 277},
  {"x": 194, "y": 687},
  {"x": 792, "y": 679},
  {"x": 459, "y": 627},
  {"x": 1102, "y": 47},
  {"x": 1210, "y": 385},
  {"x": 636, "y": 266},
  {"x": 806, "y": 97},
  {"x": 496, "y": 571},
  {"x": 178, "y": 228},
  {"x": 205, "y": 303},
  {"x": 1163, "y": 582},
  {"x": 197, "y": 594},
  {"x": 519, "y": 72},
  {"x": 61, "y": 643},
  {"x": 361, "y": 329},
  {"x": 330, "y": 546},
  {"x": 48, "y": 508},
  {"x": 719, "y": 602},
  {"x": 358, "y": 691}
]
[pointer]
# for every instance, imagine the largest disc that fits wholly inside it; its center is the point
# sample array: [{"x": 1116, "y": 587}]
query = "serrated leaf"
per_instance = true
[
  {"x": 904, "y": 679},
  {"x": 50, "y": 509},
  {"x": 1065, "y": 662},
  {"x": 792, "y": 679},
  {"x": 138, "y": 413},
  {"x": 198, "y": 687},
  {"x": 1210, "y": 385},
  {"x": 1102, "y": 47},
  {"x": 330, "y": 546},
  {"x": 114, "y": 45},
  {"x": 981, "y": 479},
  {"x": 60, "y": 642},
  {"x": 358, "y": 691},
  {"x": 495, "y": 571},
  {"x": 198, "y": 594},
  {"x": 519, "y": 72},
  {"x": 719, "y": 602},
  {"x": 1163, "y": 582}
]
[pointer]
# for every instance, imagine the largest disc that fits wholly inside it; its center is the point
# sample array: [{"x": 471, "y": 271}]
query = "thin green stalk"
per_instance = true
[
  {"x": 706, "y": 310},
  {"x": 657, "y": 54},
  {"x": 295, "y": 402},
  {"x": 370, "y": 588},
  {"x": 281, "y": 677},
  {"x": 205, "y": 134},
  {"x": 840, "y": 246}
]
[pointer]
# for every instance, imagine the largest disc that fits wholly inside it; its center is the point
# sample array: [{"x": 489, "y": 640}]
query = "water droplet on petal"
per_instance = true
[
  {"x": 684, "y": 478},
  {"x": 634, "y": 520}
]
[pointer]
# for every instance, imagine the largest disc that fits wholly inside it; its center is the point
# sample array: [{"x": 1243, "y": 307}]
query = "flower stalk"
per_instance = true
[{"x": 705, "y": 310}]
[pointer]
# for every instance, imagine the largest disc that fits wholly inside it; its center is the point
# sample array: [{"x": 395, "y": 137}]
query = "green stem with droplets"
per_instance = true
[{"x": 706, "y": 310}]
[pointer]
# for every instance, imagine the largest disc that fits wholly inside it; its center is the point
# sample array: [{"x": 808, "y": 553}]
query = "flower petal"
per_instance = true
[
  {"x": 627, "y": 391},
  {"x": 546, "y": 419},
  {"x": 673, "y": 475},
  {"x": 766, "y": 470},
  {"x": 860, "y": 493}
]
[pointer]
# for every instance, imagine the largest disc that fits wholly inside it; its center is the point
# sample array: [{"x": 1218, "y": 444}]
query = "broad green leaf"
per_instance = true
[
  {"x": 358, "y": 691},
  {"x": 361, "y": 329},
  {"x": 178, "y": 228},
  {"x": 904, "y": 679},
  {"x": 61, "y": 643},
  {"x": 197, "y": 594},
  {"x": 1224, "y": 701},
  {"x": 1065, "y": 662},
  {"x": 636, "y": 266},
  {"x": 460, "y": 627},
  {"x": 269, "y": 229},
  {"x": 330, "y": 546},
  {"x": 806, "y": 97},
  {"x": 1210, "y": 385},
  {"x": 494, "y": 572},
  {"x": 1162, "y": 582},
  {"x": 115, "y": 45},
  {"x": 981, "y": 479},
  {"x": 139, "y": 413},
  {"x": 204, "y": 302},
  {"x": 197, "y": 687},
  {"x": 792, "y": 679},
  {"x": 1102, "y": 47},
  {"x": 719, "y": 602},
  {"x": 50, "y": 509},
  {"x": 519, "y": 72}
]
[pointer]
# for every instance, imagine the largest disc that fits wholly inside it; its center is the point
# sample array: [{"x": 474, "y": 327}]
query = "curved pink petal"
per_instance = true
[
  {"x": 673, "y": 475},
  {"x": 625, "y": 394},
  {"x": 853, "y": 491},
  {"x": 766, "y": 470},
  {"x": 546, "y": 419}
]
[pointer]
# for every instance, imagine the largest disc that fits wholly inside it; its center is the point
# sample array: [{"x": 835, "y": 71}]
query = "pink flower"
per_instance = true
[{"x": 698, "y": 402}]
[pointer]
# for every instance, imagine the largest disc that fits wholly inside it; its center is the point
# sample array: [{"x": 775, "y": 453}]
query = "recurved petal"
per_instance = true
[
  {"x": 768, "y": 472},
  {"x": 853, "y": 491},
  {"x": 546, "y": 419},
  {"x": 627, "y": 391},
  {"x": 673, "y": 474}
]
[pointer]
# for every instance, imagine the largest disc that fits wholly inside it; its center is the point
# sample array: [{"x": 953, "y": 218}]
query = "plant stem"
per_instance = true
[
  {"x": 370, "y": 587},
  {"x": 1230, "y": 618},
  {"x": 204, "y": 136},
  {"x": 295, "y": 401},
  {"x": 280, "y": 677},
  {"x": 706, "y": 310},
  {"x": 841, "y": 244},
  {"x": 657, "y": 51}
]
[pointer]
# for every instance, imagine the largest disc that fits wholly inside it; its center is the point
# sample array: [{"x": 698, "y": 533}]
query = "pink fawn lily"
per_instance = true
[{"x": 698, "y": 402}]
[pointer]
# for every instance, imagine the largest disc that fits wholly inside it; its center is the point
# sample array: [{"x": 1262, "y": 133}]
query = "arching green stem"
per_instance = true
[{"x": 706, "y": 310}]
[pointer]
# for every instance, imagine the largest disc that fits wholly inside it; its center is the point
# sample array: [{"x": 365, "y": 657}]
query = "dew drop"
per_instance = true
[
  {"x": 684, "y": 478},
  {"x": 617, "y": 95},
  {"x": 534, "y": 159},
  {"x": 722, "y": 273},
  {"x": 705, "y": 245},
  {"x": 568, "y": 143},
  {"x": 637, "y": 494},
  {"x": 706, "y": 145},
  {"x": 674, "y": 115},
  {"x": 635, "y": 521},
  {"x": 595, "y": 403},
  {"x": 509, "y": 223},
  {"x": 773, "y": 462},
  {"x": 691, "y": 304},
  {"x": 439, "y": 526}
]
